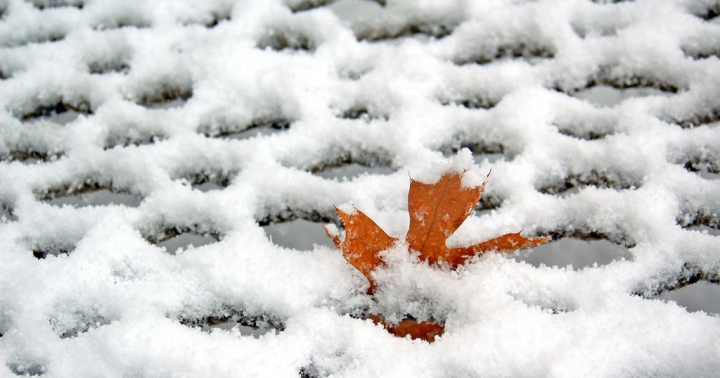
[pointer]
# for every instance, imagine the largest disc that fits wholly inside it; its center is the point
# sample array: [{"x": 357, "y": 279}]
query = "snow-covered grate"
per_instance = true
[{"x": 131, "y": 129}]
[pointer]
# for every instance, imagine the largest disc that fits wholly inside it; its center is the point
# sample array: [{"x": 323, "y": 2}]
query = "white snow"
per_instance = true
[{"x": 165, "y": 167}]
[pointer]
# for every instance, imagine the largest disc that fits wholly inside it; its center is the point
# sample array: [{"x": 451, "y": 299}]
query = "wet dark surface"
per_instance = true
[
  {"x": 353, "y": 170},
  {"x": 101, "y": 197},
  {"x": 705, "y": 230},
  {"x": 175, "y": 103},
  {"x": 351, "y": 10},
  {"x": 491, "y": 158},
  {"x": 63, "y": 117},
  {"x": 298, "y": 234},
  {"x": 607, "y": 96},
  {"x": 243, "y": 329},
  {"x": 253, "y": 132},
  {"x": 185, "y": 241},
  {"x": 700, "y": 296},
  {"x": 208, "y": 186},
  {"x": 578, "y": 253}
]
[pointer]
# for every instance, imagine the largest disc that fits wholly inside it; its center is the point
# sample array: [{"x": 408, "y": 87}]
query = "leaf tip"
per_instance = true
[{"x": 333, "y": 233}]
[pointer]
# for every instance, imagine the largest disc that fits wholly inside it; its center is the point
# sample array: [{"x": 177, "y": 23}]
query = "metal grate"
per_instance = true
[{"x": 126, "y": 126}]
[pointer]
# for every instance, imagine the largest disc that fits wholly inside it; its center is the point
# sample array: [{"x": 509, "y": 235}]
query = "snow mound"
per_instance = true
[{"x": 211, "y": 120}]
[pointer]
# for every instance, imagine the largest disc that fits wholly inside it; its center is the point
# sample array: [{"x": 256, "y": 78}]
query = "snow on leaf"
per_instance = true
[{"x": 436, "y": 211}]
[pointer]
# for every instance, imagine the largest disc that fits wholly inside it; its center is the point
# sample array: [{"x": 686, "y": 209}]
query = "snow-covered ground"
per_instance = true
[{"x": 130, "y": 129}]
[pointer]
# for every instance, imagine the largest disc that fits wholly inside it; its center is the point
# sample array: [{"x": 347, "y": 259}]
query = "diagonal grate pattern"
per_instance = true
[{"x": 215, "y": 119}]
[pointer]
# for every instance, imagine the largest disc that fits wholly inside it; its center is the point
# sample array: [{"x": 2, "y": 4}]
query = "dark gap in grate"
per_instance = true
[
  {"x": 289, "y": 214},
  {"x": 132, "y": 137},
  {"x": 583, "y": 31},
  {"x": 101, "y": 68},
  {"x": 343, "y": 164},
  {"x": 31, "y": 156},
  {"x": 98, "y": 197},
  {"x": 476, "y": 147},
  {"x": 477, "y": 102},
  {"x": 217, "y": 18},
  {"x": 703, "y": 167},
  {"x": 488, "y": 202},
  {"x": 306, "y": 5},
  {"x": 586, "y": 135},
  {"x": 692, "y": 288},
  {"x": 50, "y": 36},
  {"x": 349, "y": 171},
  {"x": 584, "y": 233},
  {"x": 599, "y": 179},
  {"x": 633, "y": 82},
  {"x": 310, "y": 371},
  {"x": 60, "y": 112},
  {"x": 4, "y": 75},
  {"x": 168, "y": 237},
  {"x": 481, "y": 150},
  {"x": 249, "y": 324},
  {"x": 208, "y": 180},
  {"x": 698, "y": 119},
  {"x": 702, "y": 52},
  {"x": 576, "y": 252},
  {"x": 50, "y": 4},
  {"x": 608, "y": 95},
  {"x": 26, "y": 368},
  {"x": 299, "y": 234},
  {"x": 70, "y": 325},
  {"x": 167, "y": 97},
  {"x": 257, "y": 128},
  {"x": 699, "y": 296},
  {"x": 137, "y": 21},
  {"x": 185, "y": 241},
  {"x": 365, "y": 113},
  {"x": 284, "y": 39},
  {"x": 521, "y": 50},
  {"x": 43, "y": 252},
  {"x": 431, "y": 30},
  {"x": 704, "y": 230},
  {"x": 709, "y": 13},
  {"x": 337, "y": 158},
  {"x": 700, "y": 218},
  {"x": 88, "y": 188},
  {"x": 7, "y": 213}
]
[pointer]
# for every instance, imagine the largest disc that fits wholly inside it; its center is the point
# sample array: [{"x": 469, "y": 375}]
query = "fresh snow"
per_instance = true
[{"x": 165, "y": 167}]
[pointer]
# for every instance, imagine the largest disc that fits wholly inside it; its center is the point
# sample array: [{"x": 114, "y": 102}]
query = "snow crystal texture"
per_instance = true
[{"x": 215, "y": 118}]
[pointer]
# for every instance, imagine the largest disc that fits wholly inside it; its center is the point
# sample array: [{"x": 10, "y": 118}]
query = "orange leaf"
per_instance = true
[
  {"x": 507, "y": 242},
  {"x": 436, "y": 211},
  {"x": 417, "y": 330},
  {"x": 364, "y": 239}
]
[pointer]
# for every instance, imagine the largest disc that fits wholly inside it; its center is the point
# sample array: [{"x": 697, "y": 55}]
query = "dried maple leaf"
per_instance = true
[
  {"x": 364, "y": 240},
  {"x": 436, "y": 211},
  {"x": 417, "y": 330}
]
